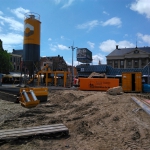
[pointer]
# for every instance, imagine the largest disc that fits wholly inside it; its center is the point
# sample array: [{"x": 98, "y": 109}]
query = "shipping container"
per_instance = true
[
  {"x": 132, "y": 81},
  {"x": 97, "y": 84}
]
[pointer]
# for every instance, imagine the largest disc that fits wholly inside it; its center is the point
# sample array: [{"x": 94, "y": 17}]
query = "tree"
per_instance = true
[{"x": 5, "y": 64}]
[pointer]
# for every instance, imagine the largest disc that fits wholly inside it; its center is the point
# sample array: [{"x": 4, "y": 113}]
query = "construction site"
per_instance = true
[{"x": 86, "y": 108}]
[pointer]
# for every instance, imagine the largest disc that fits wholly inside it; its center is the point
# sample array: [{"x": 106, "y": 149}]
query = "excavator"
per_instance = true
[{"x": 97, "y": 75}]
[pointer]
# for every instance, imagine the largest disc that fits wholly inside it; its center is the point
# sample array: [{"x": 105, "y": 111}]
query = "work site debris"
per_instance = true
[
  {"x": 144, "y": 106},
  {"x": 115, "y": 90},
  {"x": 32, "y": 131}
]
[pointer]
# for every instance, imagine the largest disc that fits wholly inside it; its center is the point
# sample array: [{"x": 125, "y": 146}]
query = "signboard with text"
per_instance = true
[{"x": 84, "y": 55}]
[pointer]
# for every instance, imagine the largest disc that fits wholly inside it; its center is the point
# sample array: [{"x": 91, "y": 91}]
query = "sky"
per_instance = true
[{"x": 98, "y": 25}]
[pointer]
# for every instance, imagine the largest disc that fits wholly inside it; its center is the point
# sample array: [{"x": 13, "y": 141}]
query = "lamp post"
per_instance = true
[
  {"x": 72, "y": 47},
  {"x": 148, "y": 72}
]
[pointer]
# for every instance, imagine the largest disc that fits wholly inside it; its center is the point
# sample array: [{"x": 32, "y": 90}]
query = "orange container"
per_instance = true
[
  {"x": 132, "y": 81},
  {"x": 97, "y": 84}
]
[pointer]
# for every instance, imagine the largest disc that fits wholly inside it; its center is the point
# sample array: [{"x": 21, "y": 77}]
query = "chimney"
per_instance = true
[{"x": 116, "y": 46}]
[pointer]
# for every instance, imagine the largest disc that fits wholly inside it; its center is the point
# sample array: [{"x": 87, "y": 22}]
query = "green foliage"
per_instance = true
[{"x": 5, "y": 64}]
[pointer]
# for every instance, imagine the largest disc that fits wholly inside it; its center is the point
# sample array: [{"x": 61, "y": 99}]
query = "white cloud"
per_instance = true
[
  {"x": 145, "y": 38},
  {"x": 110, "y": 45},
  {"x": 125, "y": 44},
  {"x": 142, "y": 7},
  {"x": 126, "y": 35},
  {"x": 62, "y": 37},
  {"x": 1, "y": 22},
  {"x": 115, "y": 21},
  {"x": 88, "y": 25},
  {"x": 13, "y": 24},
  {"x": 10, "y": 40},
  {"x": 1, "y": 13},
  {"x": 62, "y": 47},
  {"x": 49, "y": 39},
  {"x": 75, "y": 63},
  {"x": 55, "y": 47},
  {"x": 68, "y": 63},
  {"x": 69, "y": 2},
  {"x": 57, "y": 1},
  {"x": 20, "y": 12},
  {"x": 97, "y": 58},
  {"x": 91, "y": 44},
  {"x": 106, "y": 13},
  {"x": 107, "y": 46},
  {"x": 65, "y": 3}
]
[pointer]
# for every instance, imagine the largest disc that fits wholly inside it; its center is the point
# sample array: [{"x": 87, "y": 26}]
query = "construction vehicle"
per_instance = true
[
  {"x": 31, "y": 97},
  {"x": 97, "y": 75},
  {"x": 50, "y": 76}
]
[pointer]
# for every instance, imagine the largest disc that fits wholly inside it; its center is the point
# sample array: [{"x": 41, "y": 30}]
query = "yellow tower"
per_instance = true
[{"x": 31, "y": 43}]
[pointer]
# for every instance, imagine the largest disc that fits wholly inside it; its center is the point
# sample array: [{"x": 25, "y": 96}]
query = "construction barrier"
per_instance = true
[{"x": 97, "y": 84}]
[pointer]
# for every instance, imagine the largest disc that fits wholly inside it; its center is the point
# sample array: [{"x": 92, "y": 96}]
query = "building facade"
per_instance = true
[
  {"x": 129, "y": 57},
  {"x": 55, "y": 63},
  {"x": 16, "y": 60}
]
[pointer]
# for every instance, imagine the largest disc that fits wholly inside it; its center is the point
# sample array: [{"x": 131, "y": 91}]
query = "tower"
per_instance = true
[{"x": 31, "y": 42}]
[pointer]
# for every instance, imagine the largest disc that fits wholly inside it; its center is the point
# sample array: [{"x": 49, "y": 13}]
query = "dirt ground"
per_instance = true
[{"x": 96, "y": 121}]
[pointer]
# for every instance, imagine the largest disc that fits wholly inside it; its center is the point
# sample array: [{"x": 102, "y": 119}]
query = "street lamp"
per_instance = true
[
  {"x": 148, "y": 65},
  {"x": 72, "y": 47}
]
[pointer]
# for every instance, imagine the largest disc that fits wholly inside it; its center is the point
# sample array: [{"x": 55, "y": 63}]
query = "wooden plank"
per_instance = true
[
  {"x": 36, "y": 127},
  {"x": 19, "y": 132},
  {"x": 28, "y": 132},
  {"x": 31, "y": 128},
  {"x": 32, "y": 131}
]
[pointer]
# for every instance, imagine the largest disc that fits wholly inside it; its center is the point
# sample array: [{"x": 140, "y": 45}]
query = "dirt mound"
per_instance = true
[{"x": 96, "y": 121}]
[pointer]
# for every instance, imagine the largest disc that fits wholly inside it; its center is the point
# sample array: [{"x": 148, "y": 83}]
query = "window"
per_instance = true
[
  {"x": 17, "y": 67},
  {"x": 121, "y": 63},
  {"x": 82, "y": 69},
  {"x": 143, "y": 62},
  {"x": 129, "y": 63},
  {"x": 109, "y": 62},
  {"x": 116, "y": 64},
  {"x": 136, "y": 63},
  {"x": 136, "y": 52}
]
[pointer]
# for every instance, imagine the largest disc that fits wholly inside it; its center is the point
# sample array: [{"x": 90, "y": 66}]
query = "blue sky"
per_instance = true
[{"x": 98, "y": 25}]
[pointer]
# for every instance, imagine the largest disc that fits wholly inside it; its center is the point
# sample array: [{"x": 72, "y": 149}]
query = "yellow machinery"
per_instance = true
[
  {"x": 31, "y": 97},
  {"x": 46, "y": 70},
  {"x": 97, "y": 75}
]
